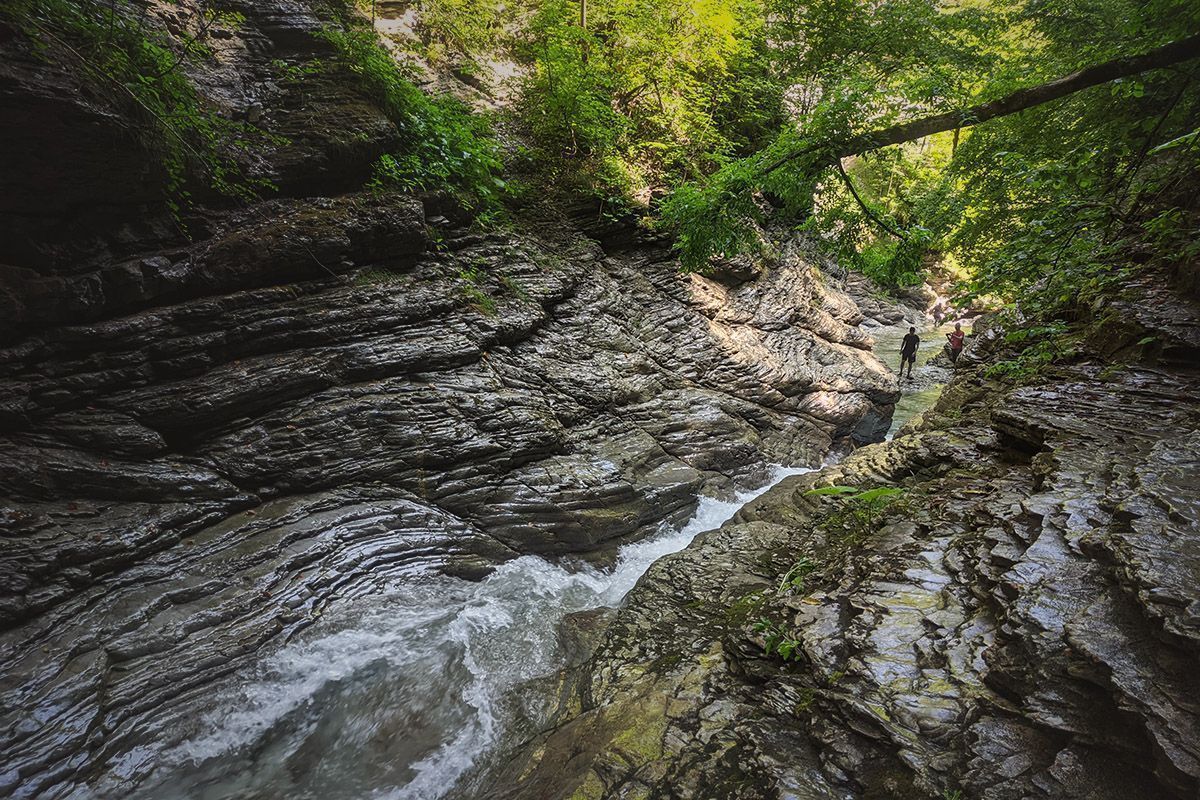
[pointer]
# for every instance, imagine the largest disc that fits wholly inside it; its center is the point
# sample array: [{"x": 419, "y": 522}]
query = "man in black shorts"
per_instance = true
[{"x": 908, "y": 351}]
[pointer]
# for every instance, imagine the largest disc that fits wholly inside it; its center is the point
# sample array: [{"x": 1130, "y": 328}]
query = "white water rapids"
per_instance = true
[{"x": 404, "y": 693}]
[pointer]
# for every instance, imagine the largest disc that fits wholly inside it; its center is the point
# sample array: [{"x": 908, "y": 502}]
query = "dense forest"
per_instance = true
[
  {"x": 706, "y": 116},
  {"x": 511, "y": 399}
]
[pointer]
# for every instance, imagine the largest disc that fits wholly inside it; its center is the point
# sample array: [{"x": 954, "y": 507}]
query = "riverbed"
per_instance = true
[
  {"x": 925, "y": 386},
  {"x": 403, "y": 692},
  {"x": 409, "y": 692}
]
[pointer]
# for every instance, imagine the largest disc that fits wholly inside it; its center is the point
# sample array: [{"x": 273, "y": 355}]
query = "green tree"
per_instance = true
[
  {"x": 650, "y": 91},
  {"x": 1048, "y": 198}
]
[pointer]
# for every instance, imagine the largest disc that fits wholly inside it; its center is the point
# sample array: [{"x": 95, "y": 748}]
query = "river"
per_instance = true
[
  {"x": 405, "y": 693},
  {"x": 399, "y": 694},
  {"x": 922, "y": 390}
]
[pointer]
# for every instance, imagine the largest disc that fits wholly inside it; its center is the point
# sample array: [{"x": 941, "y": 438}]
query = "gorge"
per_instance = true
[{"x": 331, "y": 478}]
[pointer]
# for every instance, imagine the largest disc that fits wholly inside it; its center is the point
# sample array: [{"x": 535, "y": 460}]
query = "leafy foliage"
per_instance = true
[
  {"x": 1039, "y": 346},
  {"x": 714, "y": 222},
  {"x": 464, "y": 27},
  {"x": 134, "y": 66},
  {"x": 777, "y": 641},
  {"x": 474, "y": 291},
  {"x": 1053, "y": 207},
  {"x": 793, "y": 580},
  {"x": 442, "y": 144},
  {"x": 860, "y": 511},
  {"x": 1067, "y": 201},
  {"x": 894, "y": 183},
  {"x": 649, "y": 91},
  {"x": 847, "y": 63}
]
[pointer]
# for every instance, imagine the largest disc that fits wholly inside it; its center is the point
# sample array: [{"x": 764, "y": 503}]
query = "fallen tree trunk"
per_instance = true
[{"x": 1165, "y": 56}]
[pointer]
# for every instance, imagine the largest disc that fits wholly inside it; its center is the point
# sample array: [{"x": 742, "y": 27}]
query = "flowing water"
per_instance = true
[
  {"x": 408, "y": 692},
  {"x": 399, "y": 694},
  {"x": 922, "y": 390}
]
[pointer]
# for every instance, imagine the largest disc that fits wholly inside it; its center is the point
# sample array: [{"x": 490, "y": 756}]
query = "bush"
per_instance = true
[
  {"x": 443, "y": 145},
  {"x": 138, "y": 69}
]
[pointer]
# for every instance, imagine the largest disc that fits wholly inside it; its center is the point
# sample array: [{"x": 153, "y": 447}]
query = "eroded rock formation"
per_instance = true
[
  {"x": 1022, "y": 624},
  {"x": 206, "y": 440}
]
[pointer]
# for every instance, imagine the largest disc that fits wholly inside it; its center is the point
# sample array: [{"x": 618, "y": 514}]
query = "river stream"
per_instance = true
[
  {"x": 399, "y": 694},
  {"x": 407, "y": 692},
  {"x": 922, "y": 390}
]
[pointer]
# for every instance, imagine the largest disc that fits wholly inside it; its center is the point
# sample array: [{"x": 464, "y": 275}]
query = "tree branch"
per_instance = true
[
  {"x": 861, "y": 204},
  {"x": 1020, "y": 100}
]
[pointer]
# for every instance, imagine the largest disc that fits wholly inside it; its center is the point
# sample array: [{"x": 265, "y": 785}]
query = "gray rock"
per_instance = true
[
  {"x": 186, "y": 483},
  {"x": 208, "y": 439},
  {"x": 1022, "y": 624}
]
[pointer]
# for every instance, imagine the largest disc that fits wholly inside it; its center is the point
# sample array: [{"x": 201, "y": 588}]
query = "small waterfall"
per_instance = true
[{"x": 398, "y": 694}]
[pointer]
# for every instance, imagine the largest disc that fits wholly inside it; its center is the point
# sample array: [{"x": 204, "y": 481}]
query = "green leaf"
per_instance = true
[
  {"x": 1179, "y": 141},
  {"x": 880, "y": 493}
]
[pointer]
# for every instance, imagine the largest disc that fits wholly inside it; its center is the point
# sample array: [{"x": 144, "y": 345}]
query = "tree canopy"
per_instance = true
[
  {"x": 1048, "y": 147},
  {"x": 1045, "y": 145},
  {"x": 1098, "y": 167}
]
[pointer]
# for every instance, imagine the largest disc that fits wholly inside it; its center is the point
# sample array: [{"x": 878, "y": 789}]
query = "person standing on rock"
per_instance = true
[
  {"x": 956, "y": 341},
  {"x": 908, "y": 351},
  {"x": 939, "y": 311}
]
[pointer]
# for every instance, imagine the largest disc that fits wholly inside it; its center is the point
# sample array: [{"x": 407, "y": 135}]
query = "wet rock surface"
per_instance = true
[
  {"x": 207, "y": 441},
  {"x": 1021, "y": 623},
  {"x": 186, "y": 482}
]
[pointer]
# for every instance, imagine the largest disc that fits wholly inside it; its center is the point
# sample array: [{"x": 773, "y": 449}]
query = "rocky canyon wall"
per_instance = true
[
  {"x": 207, "y": 437},
  {"x": 1021, "y": 623}
]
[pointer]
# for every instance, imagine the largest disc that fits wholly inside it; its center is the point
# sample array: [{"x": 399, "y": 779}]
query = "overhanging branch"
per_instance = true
[
  {"x": 871, "y": 215},
  {"x": 1020, "y": 100}
]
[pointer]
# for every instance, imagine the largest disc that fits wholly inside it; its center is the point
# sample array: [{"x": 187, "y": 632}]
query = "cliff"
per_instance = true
[{"x": 215, "y": 425}]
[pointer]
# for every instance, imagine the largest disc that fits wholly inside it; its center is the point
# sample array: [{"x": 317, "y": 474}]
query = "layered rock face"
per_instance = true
[
  {"x": 205, "y": 441},
  {"x": 1022, "y": 623}
]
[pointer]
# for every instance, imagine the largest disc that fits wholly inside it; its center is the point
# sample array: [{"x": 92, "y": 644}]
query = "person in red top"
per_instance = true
[{"x": 956, "y": 341}]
